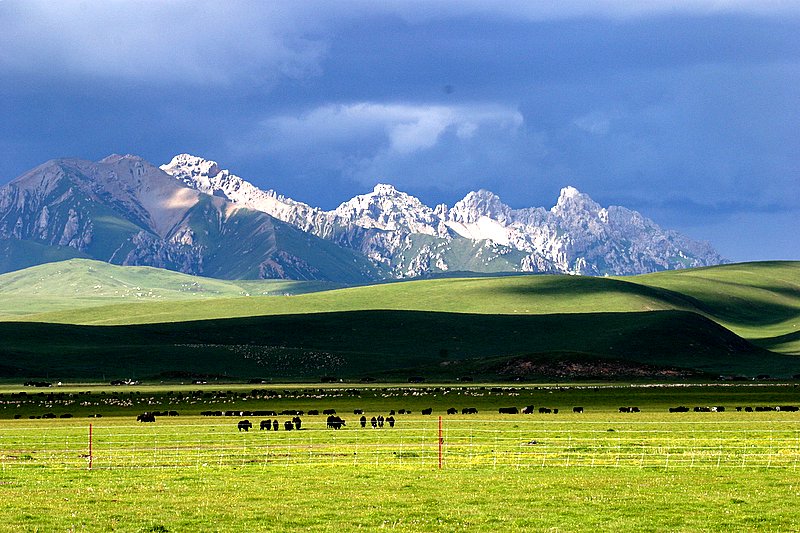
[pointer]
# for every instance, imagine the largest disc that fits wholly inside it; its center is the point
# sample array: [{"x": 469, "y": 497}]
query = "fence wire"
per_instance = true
[{"x": 502, "y": 443}]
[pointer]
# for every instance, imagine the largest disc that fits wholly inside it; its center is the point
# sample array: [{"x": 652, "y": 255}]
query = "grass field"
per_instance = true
[
  {"x": 82, "y": 283},
  {"x": 646, "y": 471},
  {"x": 441, "y": 328}
]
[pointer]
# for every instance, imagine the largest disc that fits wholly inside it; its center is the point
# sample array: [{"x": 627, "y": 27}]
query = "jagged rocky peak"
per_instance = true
[
  {"x": 571, "y": 200},
  {"x": 387, "y": 208},
  {"x": 576, "y": 235},
  {"x": 385, "y": 189},
  {"x": 191, "y": 165},
  {"x": 479, "y": 204}
]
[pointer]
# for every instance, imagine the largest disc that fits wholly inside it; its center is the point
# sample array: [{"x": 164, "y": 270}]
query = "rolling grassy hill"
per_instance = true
[
  {"x": 732, "y": 319},
  {"x": 80, "y": 283}
]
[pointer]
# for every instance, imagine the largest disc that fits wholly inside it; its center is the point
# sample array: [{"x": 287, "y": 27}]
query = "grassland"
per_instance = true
[
  {"x": 732, "y": 319},
  {"x": 81, "y": 283},
  {"x": 648, "y": 471}
]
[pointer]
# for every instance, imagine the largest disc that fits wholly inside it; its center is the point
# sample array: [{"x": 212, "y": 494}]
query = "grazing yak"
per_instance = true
[
  {"x": 380, "y": 421},
  {"x": 275, "y": 425},
  {"x": 146, "y": 417},
  {"x": 469, "y": 411},
  {"x": 452, "y": 411},
  {"x": 390, "y": 420},
  {"x": 329, "y": 412},
  {"x": 363, "y": 421},
  {"x": 577, "y": 409},
  {"x": 335, "y": 422},
  {"x": 427, "y": 411},
  {"x": 244, "y": 425},
  {"x": 357, "y": 412},
  {"x": 528, "y": 409},
  {"x": 374, "y": 422},
  {"x": 297, "y": 422},
  {"x": 288, "y": 426},
  {"x": 629, "y": 410},
  {"x": 266, "y": 424},
  {"x": 679, "y": 409},
  {"x": 508, "y": 411}
]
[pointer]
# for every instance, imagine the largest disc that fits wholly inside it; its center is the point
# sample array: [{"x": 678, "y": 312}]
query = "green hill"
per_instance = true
[
  {"x": 732, "y": 319},
  {"x": 758, "y": 301},
  {"x": 395, "y": 344},
  {"x": 79, "y": 283}
]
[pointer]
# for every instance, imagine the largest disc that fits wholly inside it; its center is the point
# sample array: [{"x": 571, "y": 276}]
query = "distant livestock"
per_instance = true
[
  {"x": 469, "y": 411},
  {"x": 297, "y": 422},
  {"x": 357, "y": 412},
  {"x": 527, "y": 410},
  {"x": 334, "y": 422},
  {"x": 329, "y": 412},
  {"x": 313, "y": 412},
  {"x": 266, "y": 424},
  {"x": 628, "y": 409},
  {"x": 679, "y": 409},
  {"x": 427, "y": 411},
  {"x": 288, "y": 426},
  {"x": 146, "y": 417},
  {"x": 390, "y": 420},
  {"x": 712, "y": 409},
  {"x": 244, "y": 425},
  {"x": 363, "y": 421},
  {"x": 577, "y": 409},
  {"x": 452, "y": 411},
  {"x": 508, "y": 411}
]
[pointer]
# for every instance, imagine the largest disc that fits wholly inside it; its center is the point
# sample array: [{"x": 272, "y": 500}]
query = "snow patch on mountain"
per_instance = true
[{"x": 480, "y": 232}]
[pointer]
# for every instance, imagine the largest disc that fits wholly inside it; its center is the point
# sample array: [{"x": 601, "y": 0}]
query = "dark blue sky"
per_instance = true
[{"x": 686, "y": 111}]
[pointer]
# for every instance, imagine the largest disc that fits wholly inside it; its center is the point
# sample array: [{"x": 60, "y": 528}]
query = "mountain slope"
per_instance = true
[
  {"x": 497, "y": 328},
  {"x": 126, "y": 211},
  {"x": 759, "y": 301},
  {"x": 480, "y": 232},
  {"x": 359, "y": 343},
  {"x": 80, "y": 283}
]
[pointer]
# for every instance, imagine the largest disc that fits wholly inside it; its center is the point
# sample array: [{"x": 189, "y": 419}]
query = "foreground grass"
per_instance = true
[
  {"x": 347, "y": 497},
  {"x": 192, "y": 473}
]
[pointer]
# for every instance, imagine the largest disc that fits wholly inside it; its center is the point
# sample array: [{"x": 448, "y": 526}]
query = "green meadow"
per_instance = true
[
  {"x": 600, "y": 469},
  {"x": 727, "y": 320}
]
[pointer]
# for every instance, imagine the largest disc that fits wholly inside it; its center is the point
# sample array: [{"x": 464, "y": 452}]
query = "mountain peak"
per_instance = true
[
  {"x": 192, "y": 165},
  {"x": 571, "y": 200},
  {"x": 385, "y": 189},
  {"x": 477, "y": 204},
  {"x": 568, "y": 192}
]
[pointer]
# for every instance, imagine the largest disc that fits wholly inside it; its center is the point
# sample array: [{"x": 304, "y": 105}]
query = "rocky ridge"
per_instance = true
[{"x": 479, "y": 233}]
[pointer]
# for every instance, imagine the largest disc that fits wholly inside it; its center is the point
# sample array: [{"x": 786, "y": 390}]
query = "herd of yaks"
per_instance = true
[{"x": 335, "y": 422}]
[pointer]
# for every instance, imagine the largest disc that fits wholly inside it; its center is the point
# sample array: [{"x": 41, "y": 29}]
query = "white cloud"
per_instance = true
[
  {"x": 403, "y": 128},
  {"x": 220, "y": 43},
  {"x": 194, "y": 42}
]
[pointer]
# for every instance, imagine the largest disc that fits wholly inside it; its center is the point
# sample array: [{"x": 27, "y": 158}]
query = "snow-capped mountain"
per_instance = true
[
  {"x": 126, "y": 211},
  {"x": 479, "y": 233}
]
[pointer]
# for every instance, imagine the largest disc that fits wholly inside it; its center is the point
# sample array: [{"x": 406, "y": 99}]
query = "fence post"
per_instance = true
[
  {"x": 441, "y": 441},
  {"x": 90, "y": 446}
]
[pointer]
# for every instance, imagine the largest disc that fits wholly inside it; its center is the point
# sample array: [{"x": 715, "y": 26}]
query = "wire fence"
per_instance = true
[{"x": 501, "y": 443}]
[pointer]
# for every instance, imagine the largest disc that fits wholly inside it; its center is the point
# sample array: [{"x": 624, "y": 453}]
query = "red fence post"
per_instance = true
[
  {"x": 90, "y": 446},
  {"x": 441, "y": 442}
]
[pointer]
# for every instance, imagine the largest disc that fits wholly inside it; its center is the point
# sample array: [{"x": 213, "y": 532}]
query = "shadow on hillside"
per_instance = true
[
  {"x": 723, "y": 307},
  {"x": 363, "y": 342}
]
